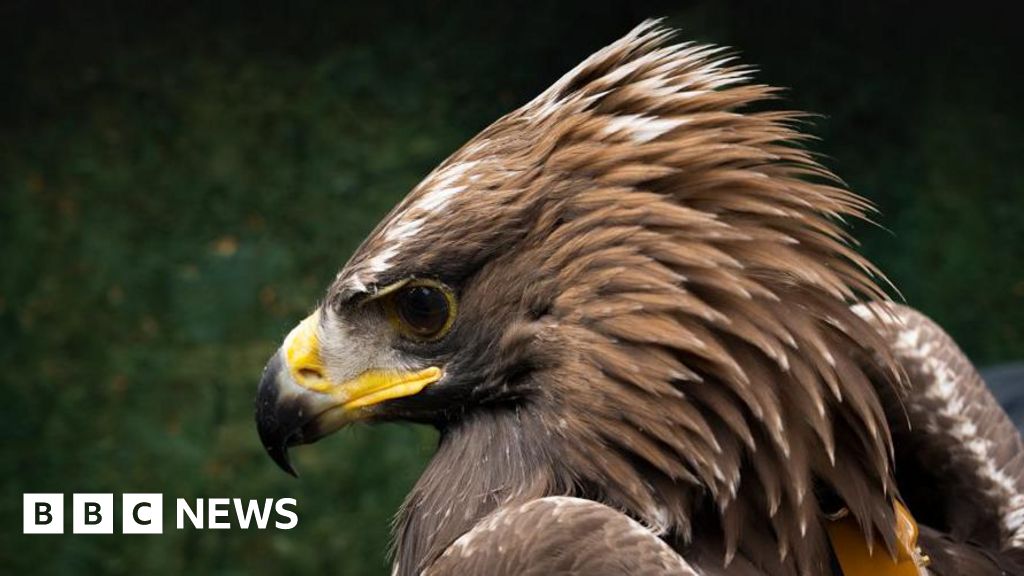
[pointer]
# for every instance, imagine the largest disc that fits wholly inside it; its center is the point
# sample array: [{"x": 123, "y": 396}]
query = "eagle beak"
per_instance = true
[
  {"x": 297, "y": 403},
  {"x": 279, "y": 415}
]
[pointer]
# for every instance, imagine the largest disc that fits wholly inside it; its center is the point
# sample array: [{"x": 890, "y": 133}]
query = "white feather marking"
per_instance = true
[
  {"x": 355, "y": 283},
  {"x": 659, "y": 87},
  {"x": 442, "y": 187},
  {"x": 620, "y": 72},
  {"x": 642, "y": 128},
  {"x": 659, "y": 521},
  {"x": 404, "y": 230},
  {"x": 382, "y": 261},
  {"x": 438, "y": 198},
  {"x": 953, "y": 409}
]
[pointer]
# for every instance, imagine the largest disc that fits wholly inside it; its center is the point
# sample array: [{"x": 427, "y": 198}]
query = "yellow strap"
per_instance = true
[{"x": 857, "y": 559}]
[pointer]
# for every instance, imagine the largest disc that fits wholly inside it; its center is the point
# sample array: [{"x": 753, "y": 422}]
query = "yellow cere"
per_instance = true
[{"x": 302, "y": 354}]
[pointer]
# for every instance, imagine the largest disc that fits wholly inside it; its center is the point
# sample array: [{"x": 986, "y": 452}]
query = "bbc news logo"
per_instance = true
[{"x": 144, "y": 513}]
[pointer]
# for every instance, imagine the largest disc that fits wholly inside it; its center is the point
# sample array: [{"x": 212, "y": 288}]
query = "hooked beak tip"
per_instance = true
[
  {"x": 279, "y": 425},
  {"x": 279, "y": 454}
]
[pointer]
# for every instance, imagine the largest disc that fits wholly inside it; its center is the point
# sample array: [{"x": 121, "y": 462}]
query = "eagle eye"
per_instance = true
[{"x": 422, "y": 310}]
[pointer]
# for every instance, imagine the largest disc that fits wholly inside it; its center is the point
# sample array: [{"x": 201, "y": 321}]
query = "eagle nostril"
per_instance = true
[{"x": 310, "y": 374}]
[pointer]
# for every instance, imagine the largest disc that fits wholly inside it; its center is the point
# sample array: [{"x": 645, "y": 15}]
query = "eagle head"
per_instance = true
[{"x": 635, "y": 289}]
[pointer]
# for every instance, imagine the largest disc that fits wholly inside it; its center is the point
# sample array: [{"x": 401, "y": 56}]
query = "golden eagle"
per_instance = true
[{"x": 632, "y": 311}]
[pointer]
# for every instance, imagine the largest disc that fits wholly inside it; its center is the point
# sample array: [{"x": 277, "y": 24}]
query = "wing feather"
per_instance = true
[{"x": 559, "y": 535}]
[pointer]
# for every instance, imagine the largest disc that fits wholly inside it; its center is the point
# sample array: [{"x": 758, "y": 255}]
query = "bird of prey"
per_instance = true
[{"x": 633, "y": 311}]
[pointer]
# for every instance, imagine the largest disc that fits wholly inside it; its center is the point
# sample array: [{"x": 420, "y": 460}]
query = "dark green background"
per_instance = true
[{"x": 178, "y": 185}]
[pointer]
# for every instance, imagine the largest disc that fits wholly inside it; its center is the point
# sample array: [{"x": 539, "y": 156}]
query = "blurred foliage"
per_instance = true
[{"x": 178, "y": 185}]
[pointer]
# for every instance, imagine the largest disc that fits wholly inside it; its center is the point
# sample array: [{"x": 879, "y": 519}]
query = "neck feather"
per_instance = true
[{"x": 485, "y": 461}]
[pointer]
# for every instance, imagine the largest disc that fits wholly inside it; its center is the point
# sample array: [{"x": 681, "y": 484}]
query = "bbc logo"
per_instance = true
[
  {"x": 93, "y": 513},
  {"x": 144, "y": 513}
]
